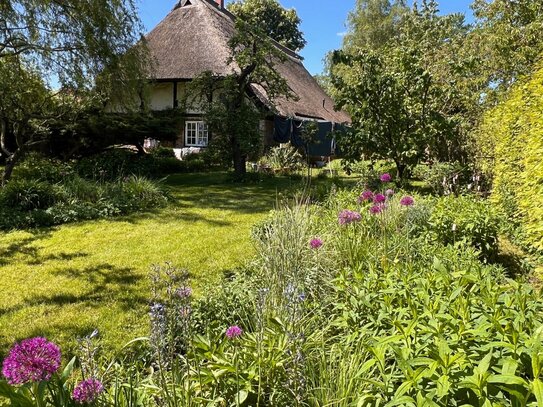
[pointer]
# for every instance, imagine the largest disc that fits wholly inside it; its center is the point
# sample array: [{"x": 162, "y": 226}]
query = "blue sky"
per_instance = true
[{"x": 323, "y": 22}]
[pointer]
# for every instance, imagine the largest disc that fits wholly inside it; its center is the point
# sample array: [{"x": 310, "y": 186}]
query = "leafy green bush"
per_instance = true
[
  {"x": 162, "y": 152},
  {"x": 113, "y": 164},
  {"x": 283, "y": 159},
  {"x": 434, "y": 335},
  {"x": 466, "y": 219},
  {"x": 27, "y": 194},
  {"x": 28, "y": 202},
  {"x": 445, "y": 178},
  {"x": 511, "y": 143},
  {"x": 38, "y": 168}
]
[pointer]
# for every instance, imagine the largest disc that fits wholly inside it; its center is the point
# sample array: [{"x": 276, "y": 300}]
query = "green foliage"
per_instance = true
[
  {"x": 29, "y": 194},
  {"x": 231, "y": 301},
  {"x": 45, "y": 193},
  {"x": 410, "y": 98},
  {"x": 233, "y": 119},
  {"x": 466, "y": 220},
  {"x": 506, "y": 36},
  {"x": 283, "y": 25},
  {"x": 283, "y": 159},
  {"x": 37, "y": 167},
  {"x": 446, "y": 178},
  {"x": 510, "y": 140},
  {"x": 374, "y": 23},
  {"x": 379, "y": 314},
  {"x": 83, "y": 45}
]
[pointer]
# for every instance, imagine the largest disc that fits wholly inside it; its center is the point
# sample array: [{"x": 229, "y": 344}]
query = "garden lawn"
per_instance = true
[{"x": 64, "y": 282}]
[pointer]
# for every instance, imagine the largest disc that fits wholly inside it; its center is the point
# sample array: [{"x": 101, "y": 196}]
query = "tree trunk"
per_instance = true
[
  {"x": 141, "y": 150},
  {"x": 401, "y": 169},
  {"x": 240, "y": 166}
]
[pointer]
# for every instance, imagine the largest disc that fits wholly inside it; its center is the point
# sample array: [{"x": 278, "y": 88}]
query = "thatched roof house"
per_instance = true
[{"x": 193, "y": 38}]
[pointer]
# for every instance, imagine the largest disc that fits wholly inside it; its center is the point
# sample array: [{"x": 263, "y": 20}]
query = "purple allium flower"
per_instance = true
[
  {"x": 389, "y": 192},
  {"x": 386, "y": 177},
  {"x": 87, "y": 391},
  {"x": 184, "y": 292},
  {"x": 346, "y": 216},
  {"x": 315, "y": 243},
  {"x": 376, "y": 209},
  {"x": 32, "y": 360},
  {"x": 407, "y": 201},
  {"x": 379, "y": 198},
  {"x": 233, "y": 332},
  {"x": 365, "y": 196}
]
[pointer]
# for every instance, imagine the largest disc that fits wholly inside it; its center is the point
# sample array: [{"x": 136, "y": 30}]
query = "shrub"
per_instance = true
[
  {"x": 446, "y": 178},
  {"x": 137, "y": 193},
  {"x": 466, "y": 219},
  {"x": 162, "y": 152},
  {"x": 113, "y": 164},
  {"x": 27, "y": 202},
  {"x": 283, "y": 159},
  {"x": 28, "y": 194},
  {"x": 511, "y": 142},
  {"x": 38, "y": 168}
]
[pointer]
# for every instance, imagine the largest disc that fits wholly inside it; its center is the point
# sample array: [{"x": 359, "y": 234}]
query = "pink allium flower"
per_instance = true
[
  {"x": 315, "y": 243},
  {"x": 376, "y": 209},
  {"x": 87, "y": 391},
  {"x": 386, "y": 177},
  {"x": 379, "y": 198},
  {"x": 32, "y": 360},
  {"x": 233, "y": 332},
  {"x": 407, "y": 201},
  {"x": 365, "y": 196},
  {"x": 389, "y": 192},
  {"x": 346, "y": 216}
]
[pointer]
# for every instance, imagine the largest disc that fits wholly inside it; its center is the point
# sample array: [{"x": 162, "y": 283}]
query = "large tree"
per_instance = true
[
  {"x": 507, "y": 35},
  {"x": 232, "y": 109},
  {"x": 407, "y": 96},
  {"x": 69, "y": 45},
  {"x": 374, "y": 23},
  {"x": 283, "y": 25}
]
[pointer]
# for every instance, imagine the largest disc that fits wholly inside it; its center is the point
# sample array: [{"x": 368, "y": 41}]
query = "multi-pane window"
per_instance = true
[{"x": 196, "y": 134}]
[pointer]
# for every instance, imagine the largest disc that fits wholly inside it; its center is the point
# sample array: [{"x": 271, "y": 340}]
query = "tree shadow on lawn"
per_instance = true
[
  {"x": 217, "y": 191},
  {"x": 23, "y": 246},
  {"x": 102, "y": 282}
]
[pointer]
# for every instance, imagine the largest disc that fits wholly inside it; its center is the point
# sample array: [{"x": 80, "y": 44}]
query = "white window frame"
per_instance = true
[{"x": 196, "y": 134}]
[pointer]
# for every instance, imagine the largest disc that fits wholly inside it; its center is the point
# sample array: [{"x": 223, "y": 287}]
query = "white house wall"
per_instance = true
[{"x": 161, "y": 96}]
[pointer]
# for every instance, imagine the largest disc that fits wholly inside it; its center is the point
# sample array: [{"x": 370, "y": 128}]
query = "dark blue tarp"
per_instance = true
[
  {"x": 281, "y": 129},
  {"x": 286, "y": 130}
]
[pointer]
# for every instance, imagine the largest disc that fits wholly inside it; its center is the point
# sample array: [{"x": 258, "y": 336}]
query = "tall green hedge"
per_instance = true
[{"x": 511, "y": 140}]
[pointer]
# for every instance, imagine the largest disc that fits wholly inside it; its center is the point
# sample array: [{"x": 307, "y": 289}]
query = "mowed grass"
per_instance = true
[{"x": 64, "y": 282}]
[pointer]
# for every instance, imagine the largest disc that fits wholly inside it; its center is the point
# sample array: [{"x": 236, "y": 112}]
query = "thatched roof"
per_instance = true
[{"x": 193, "y": 38}]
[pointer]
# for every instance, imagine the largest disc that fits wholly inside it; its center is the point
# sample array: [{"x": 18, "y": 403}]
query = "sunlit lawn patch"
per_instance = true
[{"x": 64, "y": 282}]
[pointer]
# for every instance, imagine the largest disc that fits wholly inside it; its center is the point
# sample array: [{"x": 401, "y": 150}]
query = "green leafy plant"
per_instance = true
[{"x": 466, "y": 219}]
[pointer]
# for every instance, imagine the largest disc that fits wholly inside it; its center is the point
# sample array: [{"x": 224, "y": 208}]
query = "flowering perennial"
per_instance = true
[
  {"x": 32, "y": 360},
  {"x": 379, "y": 198},
  {"x": 407, "y": 201},
  {"x": 365, "y": 196},
  {"x": 87, "y": 391},
  {"x": 315, "y": 243},
  {"x": 346, "y": 216},
  {"x": 386, "y": 177},
  {"x": 233, "y": 332},
  {"x": 389, "y": 192},
  {"x": 376, "y": 209}
]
